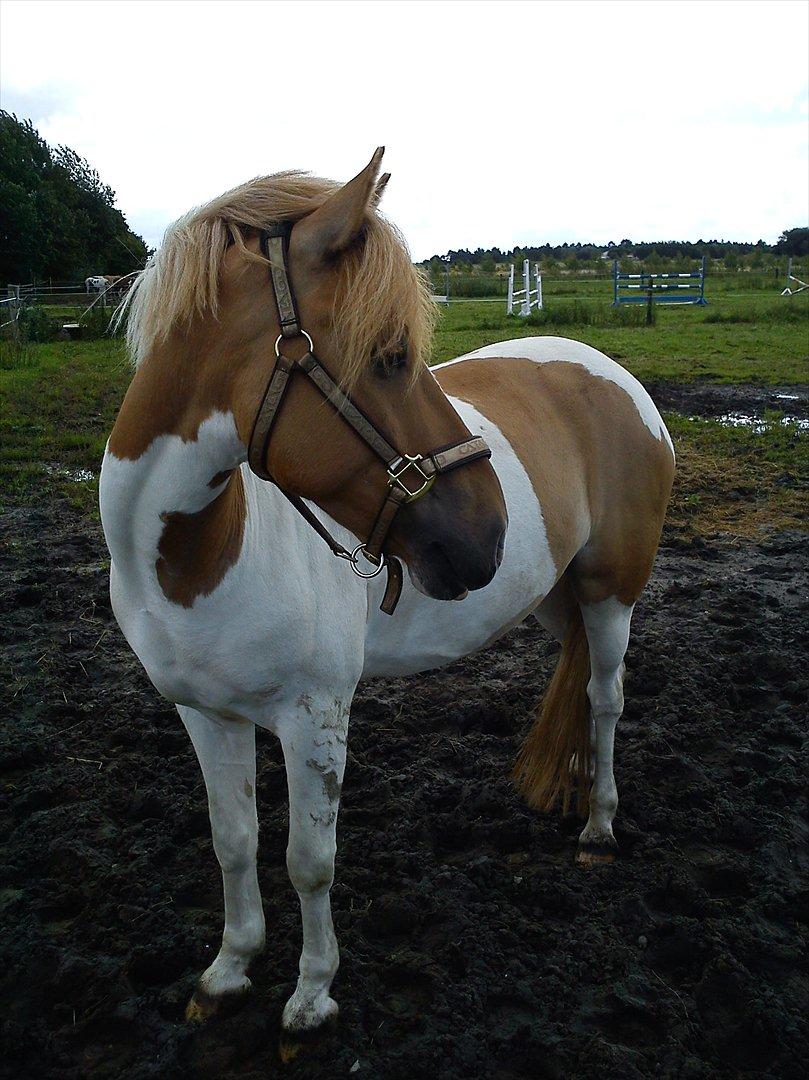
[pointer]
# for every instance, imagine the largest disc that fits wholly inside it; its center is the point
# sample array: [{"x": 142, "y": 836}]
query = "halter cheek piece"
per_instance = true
[{"x": 409, "y": 476}]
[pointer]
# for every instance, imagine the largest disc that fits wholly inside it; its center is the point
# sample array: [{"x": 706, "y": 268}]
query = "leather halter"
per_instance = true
[{"x": 409, "y": 476}]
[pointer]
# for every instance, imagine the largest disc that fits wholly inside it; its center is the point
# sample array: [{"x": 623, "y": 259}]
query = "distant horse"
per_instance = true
[
  {"x": 95, "y": 284},
  {"x": 235, "y": 605}
]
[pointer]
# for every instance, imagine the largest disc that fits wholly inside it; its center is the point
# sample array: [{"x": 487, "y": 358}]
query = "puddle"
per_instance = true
[
  {"x": 755, "y": 423},
  {"x": 78, "y": 476}
]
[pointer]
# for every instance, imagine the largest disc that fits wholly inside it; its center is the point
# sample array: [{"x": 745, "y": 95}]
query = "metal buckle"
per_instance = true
[{"x": 410, "y": 462}]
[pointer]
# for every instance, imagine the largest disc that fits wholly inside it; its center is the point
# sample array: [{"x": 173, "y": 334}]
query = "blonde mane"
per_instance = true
[{"x": 380, "y": 300}]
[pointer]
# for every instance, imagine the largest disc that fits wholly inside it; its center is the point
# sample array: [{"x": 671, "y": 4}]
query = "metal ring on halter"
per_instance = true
[
  {"x": 280, "y": 338},
  {"x": 361, "y": 573}
]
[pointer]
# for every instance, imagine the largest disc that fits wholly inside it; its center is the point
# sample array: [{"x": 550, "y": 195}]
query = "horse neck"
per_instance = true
[{"x": 173, "y": 450}]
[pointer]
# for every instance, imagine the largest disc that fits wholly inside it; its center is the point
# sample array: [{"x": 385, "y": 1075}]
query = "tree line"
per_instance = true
[
  {"x": 57, "y": 218},
  {"x": 793, "y": 242}
]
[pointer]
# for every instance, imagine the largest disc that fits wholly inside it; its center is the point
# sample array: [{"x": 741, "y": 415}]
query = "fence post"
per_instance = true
[
  {"x": 510, "y": 289},
  {"x": 539, "y": 286},
  {"x": 526, "y": 280}
]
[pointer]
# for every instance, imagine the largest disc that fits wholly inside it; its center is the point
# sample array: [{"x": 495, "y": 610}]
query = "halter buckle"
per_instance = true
[{"x": 417, "y": 481}]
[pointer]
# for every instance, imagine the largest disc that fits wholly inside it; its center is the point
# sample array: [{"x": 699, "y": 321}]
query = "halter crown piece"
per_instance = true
[{"x": 410, "y": 476}]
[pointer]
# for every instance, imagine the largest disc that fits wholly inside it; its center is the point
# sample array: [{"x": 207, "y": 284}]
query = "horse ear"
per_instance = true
[
  {"x": 336, "y": 224},
  {"x": 381, "y": 184}
]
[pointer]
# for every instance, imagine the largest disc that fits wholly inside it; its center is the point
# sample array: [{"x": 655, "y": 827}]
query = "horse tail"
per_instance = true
[{"x": 555, "y": 756}]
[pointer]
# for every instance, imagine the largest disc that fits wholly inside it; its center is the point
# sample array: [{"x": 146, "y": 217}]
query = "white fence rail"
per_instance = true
[
  {"x": 790, "y": 289},
  {"x": 526, "y": 298}
]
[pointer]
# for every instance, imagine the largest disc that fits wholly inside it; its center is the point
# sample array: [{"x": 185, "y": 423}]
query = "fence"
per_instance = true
[
  {"x": 789, "y": 290},
  {"x": 654, "y": 288},
  {"x": 526, "y": 297}
]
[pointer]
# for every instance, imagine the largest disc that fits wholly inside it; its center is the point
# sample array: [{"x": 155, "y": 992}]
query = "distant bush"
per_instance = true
[{"x": 35, "y": 324}]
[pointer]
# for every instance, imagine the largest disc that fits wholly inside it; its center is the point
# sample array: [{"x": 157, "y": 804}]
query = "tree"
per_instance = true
[
  {"x": 793, "y": 242},
  {"x": 57, "y": 217}
]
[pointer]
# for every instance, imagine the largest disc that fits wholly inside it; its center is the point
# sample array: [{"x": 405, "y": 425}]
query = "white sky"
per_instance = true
[{"x": 504, "y": 122}]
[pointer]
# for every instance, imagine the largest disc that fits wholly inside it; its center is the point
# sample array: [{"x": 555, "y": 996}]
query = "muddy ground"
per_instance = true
[
  {"x": 714, "y": 401},
  {"x": 471, "y": 945}
]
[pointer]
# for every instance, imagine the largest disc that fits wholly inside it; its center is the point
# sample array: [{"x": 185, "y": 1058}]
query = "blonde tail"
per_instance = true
[{"x": 556, "y": 752}]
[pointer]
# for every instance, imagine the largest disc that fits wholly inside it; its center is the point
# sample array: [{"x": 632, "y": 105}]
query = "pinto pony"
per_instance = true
[{"x": 236, "y": 607}]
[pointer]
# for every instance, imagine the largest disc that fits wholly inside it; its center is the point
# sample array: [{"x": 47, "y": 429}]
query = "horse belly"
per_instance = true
[{"x": 425, "y": 633}]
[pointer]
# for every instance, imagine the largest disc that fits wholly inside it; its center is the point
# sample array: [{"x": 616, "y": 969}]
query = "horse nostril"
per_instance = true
[{"x": 501, "y": 547}]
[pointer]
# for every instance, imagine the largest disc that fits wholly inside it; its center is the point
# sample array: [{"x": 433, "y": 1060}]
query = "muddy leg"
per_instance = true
[
  {"x": 607, "y": 626},
  {"x": 314, "y": 744},
  {"x": 227, "y": 754}
]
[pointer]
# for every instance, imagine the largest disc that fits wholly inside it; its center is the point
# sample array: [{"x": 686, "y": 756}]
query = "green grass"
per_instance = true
[
  {"x": 57, "y": 405},
  {"x": 58, "y": 401},
  {"x": 762, "y": 339}
]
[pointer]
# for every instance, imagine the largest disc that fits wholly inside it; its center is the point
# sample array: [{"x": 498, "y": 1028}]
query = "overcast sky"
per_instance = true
[{"x": 504, "y": 123}]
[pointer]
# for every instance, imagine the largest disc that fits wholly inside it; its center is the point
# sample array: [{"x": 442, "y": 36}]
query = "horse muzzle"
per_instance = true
[{"x": 449, "y": 556}]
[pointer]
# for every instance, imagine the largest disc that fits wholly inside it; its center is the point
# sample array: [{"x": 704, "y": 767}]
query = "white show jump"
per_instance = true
[
  {"x": 789, "y": 290},
  {"x": 526, "y": 298}
]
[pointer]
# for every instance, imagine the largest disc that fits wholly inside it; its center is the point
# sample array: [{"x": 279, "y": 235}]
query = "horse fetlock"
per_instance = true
[
  {"x": 226, "y": 975},
  {"x": 244, "y": 942}
]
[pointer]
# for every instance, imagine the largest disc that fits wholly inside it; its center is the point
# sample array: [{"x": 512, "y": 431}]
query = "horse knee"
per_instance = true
[
  {"x": 236, "y": 849},
  {"x": 310, "y": 867}
]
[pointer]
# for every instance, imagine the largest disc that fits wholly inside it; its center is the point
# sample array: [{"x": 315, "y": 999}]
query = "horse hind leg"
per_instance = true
[
  {"x": 570, "y": 745},
  {"x": 606, "y": 625},
  {"x": 227, "y": 755}
]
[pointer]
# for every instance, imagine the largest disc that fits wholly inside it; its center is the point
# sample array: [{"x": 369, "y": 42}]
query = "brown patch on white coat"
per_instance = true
[{"x": 601, "y": 477}]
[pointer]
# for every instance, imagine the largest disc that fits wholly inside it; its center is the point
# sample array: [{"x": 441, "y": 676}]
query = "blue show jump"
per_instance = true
[{"x": 660, "y": 288}]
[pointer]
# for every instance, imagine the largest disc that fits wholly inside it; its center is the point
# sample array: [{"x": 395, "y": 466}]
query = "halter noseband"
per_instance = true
[{"x": 409, "y": 476}]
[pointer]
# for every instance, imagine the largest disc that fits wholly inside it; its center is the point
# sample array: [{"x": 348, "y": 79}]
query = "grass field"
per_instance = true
[
  {"x": 759, "y": 339},
  {"x": 58, "y": 402}
]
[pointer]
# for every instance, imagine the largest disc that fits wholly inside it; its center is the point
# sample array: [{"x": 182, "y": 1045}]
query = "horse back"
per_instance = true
[{"x": 592, "y": 442}]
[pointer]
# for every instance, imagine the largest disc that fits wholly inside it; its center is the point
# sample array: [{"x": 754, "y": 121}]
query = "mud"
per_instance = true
[
  {"x": 471, "y": 944},
  {"x": 713, "y": 401}
]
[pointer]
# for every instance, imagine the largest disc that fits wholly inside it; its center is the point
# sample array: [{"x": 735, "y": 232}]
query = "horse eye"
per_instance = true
[{"x": 389, "y": 363}]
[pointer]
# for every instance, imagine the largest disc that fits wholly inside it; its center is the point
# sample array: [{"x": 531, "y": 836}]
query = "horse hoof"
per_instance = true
[
  {"x": 590, "y": 855},
  {"x": 293, "y": 1043},
  {"x": 203, "y": 1007}
]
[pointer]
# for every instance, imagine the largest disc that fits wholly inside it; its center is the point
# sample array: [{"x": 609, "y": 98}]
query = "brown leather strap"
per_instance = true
[
  {"x": 276, "y": 245},
  {"x": 393, "y": 590},
  {"x": 313, "y": 520},
  {"x": 461, "y": 453},
  {"x": 347, "y": 409},
  {"x": 268, "y": 410},
  {"x": 395, "y": 500}
]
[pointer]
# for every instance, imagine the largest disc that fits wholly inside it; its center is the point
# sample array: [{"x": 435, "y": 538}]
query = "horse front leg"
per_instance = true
[
  {"x": 314, "y": 745},
  {"x": 226, "y": 751}
]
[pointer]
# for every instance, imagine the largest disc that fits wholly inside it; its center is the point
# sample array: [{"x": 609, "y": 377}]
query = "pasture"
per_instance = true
[{"x": 471, "y": 944}]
